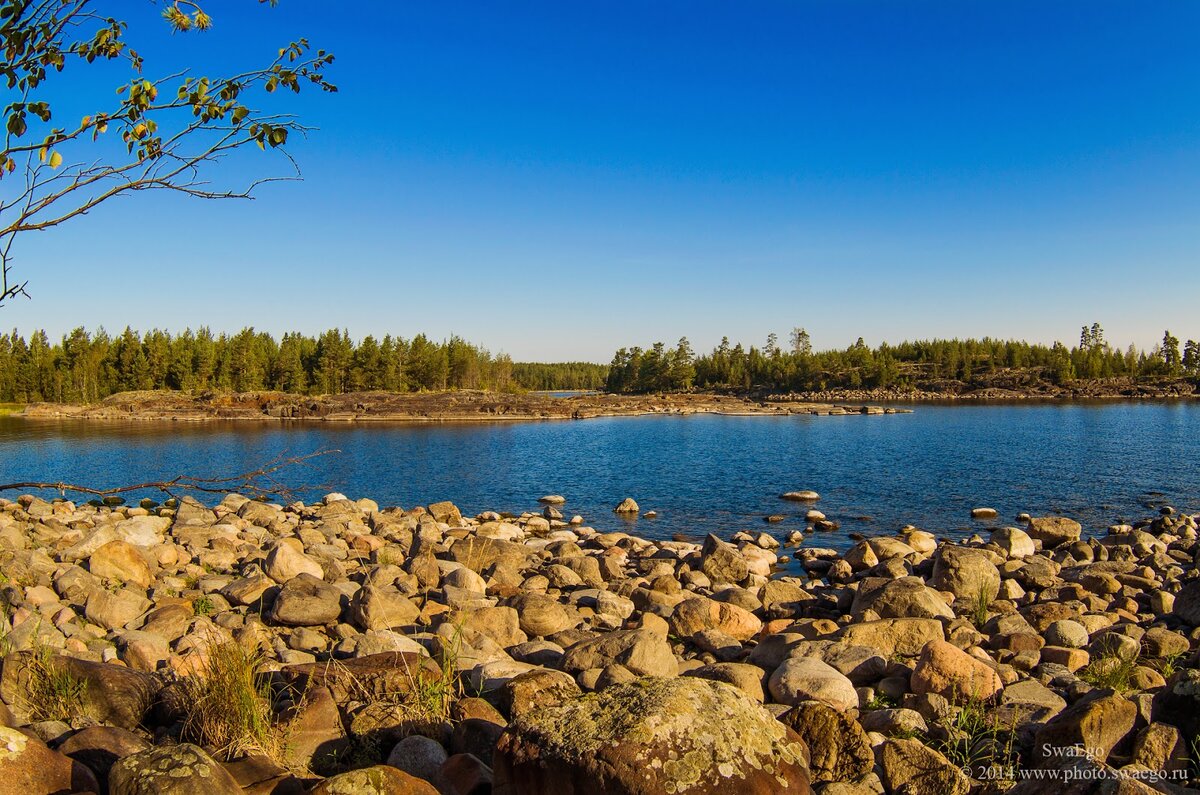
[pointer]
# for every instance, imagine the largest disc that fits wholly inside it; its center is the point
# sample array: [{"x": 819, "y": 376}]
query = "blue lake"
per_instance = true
[{"x": 1099, "y": 463}]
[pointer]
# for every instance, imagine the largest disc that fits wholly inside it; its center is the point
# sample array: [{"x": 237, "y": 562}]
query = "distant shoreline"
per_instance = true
[{"x": 464, "y": 406}]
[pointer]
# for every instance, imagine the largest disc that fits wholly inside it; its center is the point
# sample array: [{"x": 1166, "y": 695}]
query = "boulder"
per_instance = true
[
  {"x": 745, "y": 677},
  {"x": 642, "y": 651},
  {"x": 418, "y": 756},
  {"x": 721, "y": 562},
  {"x": 810, "y": 679},
  {"x": 1016, "y": 543},
  {"x": 906, "y": 597},
  {"x": 1187, "y": 603},
  {"x": 696, "y": 615},
  {"x": 540, "y": 615},
  {"x": 111, "y": 694},
  {"x": 375, "y": 608},
  {"x": 536, "y": 689},
  {"x": 838, "y": 748},
  {"x": 967, "y": 573},
  {"x": 120, "y": 561},
  {"x": 627, "y": 506},
  {"x": 1054, "y": 531},
  {"x": 1097, "y": 722},
  {"x": 651, "y": 736},
  {"x": 287, "y": 560},
  {"x": 913, "y": 768},
  {"x": 171, "y": 770},
  {"x": 28, "y": 767},
  {"x": 947, "y": 671},
  {"x": 380, "y": 676},
  {"x": 101, "y": 747},
  {"x": 890, "y": 636},
  {"x": 114, "y": 610},
  {"x": 374, "y": 780},
  {"x": 306, "y": 601}
]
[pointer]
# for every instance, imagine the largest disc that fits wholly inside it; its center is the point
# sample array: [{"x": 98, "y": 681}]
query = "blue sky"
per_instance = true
[{"x": 555, "y": 180}]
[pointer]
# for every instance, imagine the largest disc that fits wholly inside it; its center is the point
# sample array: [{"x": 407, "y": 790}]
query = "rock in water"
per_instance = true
[
  {"x": 800, "y": 496},
  {"x": 628, "y": 505},
  {"x": 651, "y": 737}
]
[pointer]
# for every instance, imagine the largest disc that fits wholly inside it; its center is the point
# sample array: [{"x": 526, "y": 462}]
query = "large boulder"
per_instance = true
[
  {"x": 967, "y": 573},
  {"x": 539, "y": 615},
  {"x": 387, "y": 675},
  {"x": 28, "y": 767},
  {"x": 1096, "y": 723},
  {"x": 115, "y": 609},
  {"x": 120, "y": 561},
  {"x": 890, "y": 636},
  {"x": 1054, "y": 531},
  {"x": 374, "y": 780},
  {"x": 722, "y": 562},
  {"x": 111, "y": 694},
  {"x": 642, "y": 651},
  {"x": 374, "y": 607},
  {"x": 100, "y": 747},
  {"x": 287, "y": 560},
  {"x": 1187, "y": 603},
  {"x": 305, "y": 601},
  {"x": 171, "y": 770},
  {"x": 907, "y": 597},
  {"x": 810, "y": 679},
  {"x": 838, "y": 748},
  {"x": 911, "y": 767},
  {"x": 946, "y": 670},
  {"x": 696, "y": 615},
  {"x": 652, "y": 736}
]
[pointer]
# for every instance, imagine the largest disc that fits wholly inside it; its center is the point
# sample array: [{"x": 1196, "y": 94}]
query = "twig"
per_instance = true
[{"x": 258, "y": 483}]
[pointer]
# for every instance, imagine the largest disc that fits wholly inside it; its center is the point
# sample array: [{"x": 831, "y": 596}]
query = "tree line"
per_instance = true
[
  {"x": 88, "y": 366},
  {"x": 799, "y": 368}
]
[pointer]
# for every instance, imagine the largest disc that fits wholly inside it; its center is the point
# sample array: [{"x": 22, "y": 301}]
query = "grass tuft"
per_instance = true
[
  {"x": 53, "y": 692},
  {"x": 975, "y": 740},
  {"x": 1111, "y": 672},
  {"x": 228, "y": 703},
  {"x": 203, "y": 605},
  {"x": 979, "y": 607}
]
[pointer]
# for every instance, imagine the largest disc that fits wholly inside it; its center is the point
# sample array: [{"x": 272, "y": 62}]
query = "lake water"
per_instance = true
[{"x": 1100, "y": 463}]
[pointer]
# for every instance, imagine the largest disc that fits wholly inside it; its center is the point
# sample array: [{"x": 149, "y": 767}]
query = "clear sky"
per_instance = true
[{"x": 558, "y": 179}]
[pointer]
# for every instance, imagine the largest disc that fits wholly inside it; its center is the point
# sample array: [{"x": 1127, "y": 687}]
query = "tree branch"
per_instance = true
[{"x": 257, "y": 484}]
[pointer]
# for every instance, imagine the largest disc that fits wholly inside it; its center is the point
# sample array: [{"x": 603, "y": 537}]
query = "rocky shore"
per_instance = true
[
  {"x": 1000, "y": 387},
  {"x": 450, "y": 406},
  {"x": 343, "y": 648}
]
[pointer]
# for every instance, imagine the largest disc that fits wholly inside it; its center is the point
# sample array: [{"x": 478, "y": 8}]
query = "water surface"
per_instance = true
[{"x": 1100, "y": 463}]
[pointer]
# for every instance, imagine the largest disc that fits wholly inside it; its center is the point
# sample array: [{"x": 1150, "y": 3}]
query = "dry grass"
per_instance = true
[
  {"x": 1111, "y": 672},
  {"x": 52, "y": 691},
  {"x": 228, "y": 703}
]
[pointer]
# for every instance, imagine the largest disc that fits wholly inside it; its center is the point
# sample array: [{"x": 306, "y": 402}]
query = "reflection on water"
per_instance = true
[{"x": 1099, "y": 463}]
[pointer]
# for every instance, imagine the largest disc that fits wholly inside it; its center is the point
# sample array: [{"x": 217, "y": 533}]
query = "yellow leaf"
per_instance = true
[{"x": 55, "y": 160}]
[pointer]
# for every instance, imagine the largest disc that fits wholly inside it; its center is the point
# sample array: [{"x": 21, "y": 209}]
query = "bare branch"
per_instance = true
[{"x": 257, "y": 484}]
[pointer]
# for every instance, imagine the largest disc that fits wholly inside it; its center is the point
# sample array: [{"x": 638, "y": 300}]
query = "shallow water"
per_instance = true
[{"x": 1099, "y": 463}]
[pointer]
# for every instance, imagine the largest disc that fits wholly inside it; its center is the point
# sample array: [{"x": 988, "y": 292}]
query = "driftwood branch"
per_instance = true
[{"x": 259, "y": 483}]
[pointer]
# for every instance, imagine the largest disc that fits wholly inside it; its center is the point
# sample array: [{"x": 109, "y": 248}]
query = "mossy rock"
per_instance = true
[{"x": 652, "y": 736}]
